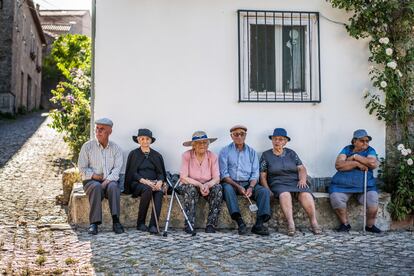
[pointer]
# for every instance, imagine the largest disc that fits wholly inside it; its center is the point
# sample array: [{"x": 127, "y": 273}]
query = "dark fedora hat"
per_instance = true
[
  {"x": 143, "y": 132},
  {"x": 279, "y": 132}
]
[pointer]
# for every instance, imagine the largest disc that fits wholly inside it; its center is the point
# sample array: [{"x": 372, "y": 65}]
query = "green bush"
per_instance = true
[
  {"x": 402, "y": 203},
  {"x": 71, "y": 55}
]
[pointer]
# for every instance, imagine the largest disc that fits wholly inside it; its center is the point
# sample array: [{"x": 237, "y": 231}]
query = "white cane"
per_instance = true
[{"x": 365, "y": 200}]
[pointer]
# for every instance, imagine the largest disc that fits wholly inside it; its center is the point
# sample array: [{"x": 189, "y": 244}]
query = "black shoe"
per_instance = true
[
  {"x": 344, "y": 228},
  {"x": 242, "y": 229},
  {"x": 373, "y": 229},
  {"x": 187, "y": 229},
  {"x": 153, "y": 229},
  {"x": 142, "y": 227},
  {"x": 118, "y": 228},
  {"x": 210, "y": 229},
  {"x": 260, "y": 230},
  {"x": 93, "y": 229}
]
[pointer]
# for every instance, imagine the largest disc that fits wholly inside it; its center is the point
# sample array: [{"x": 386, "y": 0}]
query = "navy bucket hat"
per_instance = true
[
  {"x": 279, "y": 132},
  {"x": 143, "y": 132}
]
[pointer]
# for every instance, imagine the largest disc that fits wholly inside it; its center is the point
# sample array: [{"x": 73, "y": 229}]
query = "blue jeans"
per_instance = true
[{"x": 260, "y": 194}]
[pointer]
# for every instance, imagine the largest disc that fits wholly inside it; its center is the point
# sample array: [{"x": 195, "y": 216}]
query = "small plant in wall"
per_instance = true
[{"x": 389, "y": 27}]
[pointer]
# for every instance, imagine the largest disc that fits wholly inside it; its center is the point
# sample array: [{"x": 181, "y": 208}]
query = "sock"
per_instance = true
[{"x": 115, "y": 219}]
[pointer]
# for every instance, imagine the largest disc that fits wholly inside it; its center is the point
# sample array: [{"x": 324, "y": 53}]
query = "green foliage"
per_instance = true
[
  {"x": 70, "y": 52},
  {"x": 389, "y": 27},
  {"x": 402, "y": 203},
  {"x": 72, "y": 56}
]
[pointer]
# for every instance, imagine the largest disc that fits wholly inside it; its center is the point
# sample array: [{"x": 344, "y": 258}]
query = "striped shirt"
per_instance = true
[{"x": 94, "y": 158}]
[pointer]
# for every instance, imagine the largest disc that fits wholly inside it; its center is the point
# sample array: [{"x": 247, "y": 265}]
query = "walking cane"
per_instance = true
[
  {"x": 165, "y": 234},
  {"x": 365, "y": 201},
  {"x": 155, "y": 214},
  {"x": 175, "y": 196}
]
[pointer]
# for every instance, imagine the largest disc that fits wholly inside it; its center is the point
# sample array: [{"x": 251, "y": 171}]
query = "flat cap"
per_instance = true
[
  {"x": 238, "y": 127},
  {"x": 104, "y": 121}
]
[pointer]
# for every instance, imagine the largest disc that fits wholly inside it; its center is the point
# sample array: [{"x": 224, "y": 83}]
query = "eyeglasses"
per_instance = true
[
  {"x": 279, "y": 139},
  {"x": 366, "y": 141},
  {"x": 239, "y": 134}
]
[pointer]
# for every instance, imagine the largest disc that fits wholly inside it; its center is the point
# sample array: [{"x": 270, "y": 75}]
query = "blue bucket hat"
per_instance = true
[
  {"x": 361, "y": 133},
  {"x": 143, "y": 132},
  {"x": 279, "y": 132}
]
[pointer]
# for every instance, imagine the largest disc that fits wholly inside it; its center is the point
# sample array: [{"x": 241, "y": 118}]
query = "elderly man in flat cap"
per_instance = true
[
  {"x": 239, "y": 173},
  {"x": 100, "y": 162}
]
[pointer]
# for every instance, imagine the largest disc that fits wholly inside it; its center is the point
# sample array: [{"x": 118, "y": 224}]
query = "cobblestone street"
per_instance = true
[{"x": 35, "y": 238}]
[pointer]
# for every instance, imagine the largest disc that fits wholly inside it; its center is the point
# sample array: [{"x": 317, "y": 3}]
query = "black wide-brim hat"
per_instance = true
[{"x": 143, "y": 132}]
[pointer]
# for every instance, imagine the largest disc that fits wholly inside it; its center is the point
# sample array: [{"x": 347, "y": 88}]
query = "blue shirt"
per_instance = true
[{"x": 239, "y": 165}]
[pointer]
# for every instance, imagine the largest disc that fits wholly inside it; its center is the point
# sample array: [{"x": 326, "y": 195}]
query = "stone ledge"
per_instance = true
[{"x": 79, "y": 210}]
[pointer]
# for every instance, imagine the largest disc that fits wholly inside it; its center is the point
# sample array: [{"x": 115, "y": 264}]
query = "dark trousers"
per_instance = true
[
  {"x": 146, "y": 194},
  {"x": 260, "y": 194},
  {"x": 96, "y": 193}
]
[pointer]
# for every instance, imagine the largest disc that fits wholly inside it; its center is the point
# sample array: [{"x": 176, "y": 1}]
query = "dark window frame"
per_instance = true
[{"x": 251, "y": 20}]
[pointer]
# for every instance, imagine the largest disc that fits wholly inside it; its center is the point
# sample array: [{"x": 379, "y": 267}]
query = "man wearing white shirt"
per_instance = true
[{"x": 100, "y": 162}]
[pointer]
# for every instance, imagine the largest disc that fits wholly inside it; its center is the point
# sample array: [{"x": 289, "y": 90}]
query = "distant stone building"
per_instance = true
[
  {"x": 56, "y": 23},
  {"x": 21, "y": 41}
]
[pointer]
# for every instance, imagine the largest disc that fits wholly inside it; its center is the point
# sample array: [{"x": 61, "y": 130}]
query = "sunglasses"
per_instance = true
[{"x": 239, "y": 134}]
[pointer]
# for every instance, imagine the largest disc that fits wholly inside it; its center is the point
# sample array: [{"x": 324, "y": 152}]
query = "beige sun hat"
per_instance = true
[{"x": 199, "y": 135}]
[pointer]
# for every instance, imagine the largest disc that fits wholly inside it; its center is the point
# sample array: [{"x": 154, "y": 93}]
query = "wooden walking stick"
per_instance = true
[{"x": 155, "y": 214}]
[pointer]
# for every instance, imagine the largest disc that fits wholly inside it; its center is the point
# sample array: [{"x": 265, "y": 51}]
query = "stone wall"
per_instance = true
[
  {"x": 6, "y": 34},
  {"x": 79, "y": 210},
  {"x": 20, "y": 57}
]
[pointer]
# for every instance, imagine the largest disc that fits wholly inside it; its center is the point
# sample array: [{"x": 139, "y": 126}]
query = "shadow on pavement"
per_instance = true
[{"x": 15, "y": 133}]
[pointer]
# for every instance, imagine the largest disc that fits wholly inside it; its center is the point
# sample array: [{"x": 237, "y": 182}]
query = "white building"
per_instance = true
[{"x": 179, "y": 66}]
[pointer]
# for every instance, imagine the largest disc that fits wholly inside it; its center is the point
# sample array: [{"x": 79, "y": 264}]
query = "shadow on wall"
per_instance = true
[{"x": 15, "y": 133}]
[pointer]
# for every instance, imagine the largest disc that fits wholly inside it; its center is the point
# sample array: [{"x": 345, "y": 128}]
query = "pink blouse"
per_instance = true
[{"x": 204, "y": 172}]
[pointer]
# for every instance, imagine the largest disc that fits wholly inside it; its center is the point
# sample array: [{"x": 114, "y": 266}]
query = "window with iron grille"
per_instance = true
[{"x": 278, "y": 56}]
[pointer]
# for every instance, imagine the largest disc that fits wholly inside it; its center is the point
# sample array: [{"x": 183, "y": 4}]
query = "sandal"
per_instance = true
[
  {"x": 291, "y": 232},
  {"x": 316, "y": 230}
]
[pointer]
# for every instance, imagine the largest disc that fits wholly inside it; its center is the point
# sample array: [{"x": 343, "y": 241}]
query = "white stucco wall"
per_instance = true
[{"x": 172, "y": 66}]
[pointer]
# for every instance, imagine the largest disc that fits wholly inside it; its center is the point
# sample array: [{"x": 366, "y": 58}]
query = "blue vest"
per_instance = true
[{"x": 353, "y": 181}]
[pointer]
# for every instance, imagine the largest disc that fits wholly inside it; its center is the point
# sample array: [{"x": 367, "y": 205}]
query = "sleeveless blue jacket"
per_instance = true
[{"x": 353, "y": 181}]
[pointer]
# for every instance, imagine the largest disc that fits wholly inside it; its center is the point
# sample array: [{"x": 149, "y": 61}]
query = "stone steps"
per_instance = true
[{"x": 79, "y": 210}]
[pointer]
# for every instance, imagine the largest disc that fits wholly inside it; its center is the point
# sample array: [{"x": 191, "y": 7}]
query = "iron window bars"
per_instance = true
[{"x": 279, "y": 56}]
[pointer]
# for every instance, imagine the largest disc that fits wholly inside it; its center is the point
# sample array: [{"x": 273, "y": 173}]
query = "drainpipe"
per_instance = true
[{"x": 91, "y": 133}]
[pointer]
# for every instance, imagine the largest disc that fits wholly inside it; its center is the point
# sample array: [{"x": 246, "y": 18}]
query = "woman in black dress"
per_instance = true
[
  {"x": 144, "y": 176},
  {"x": 283, "y": 173}
]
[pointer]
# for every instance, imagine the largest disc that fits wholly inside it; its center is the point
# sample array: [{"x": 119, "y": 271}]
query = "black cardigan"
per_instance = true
[{"x": 135, "y": 158}]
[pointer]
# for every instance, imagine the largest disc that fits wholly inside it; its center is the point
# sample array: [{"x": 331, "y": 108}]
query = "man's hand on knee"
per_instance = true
[{"x": 105, "y": 183}]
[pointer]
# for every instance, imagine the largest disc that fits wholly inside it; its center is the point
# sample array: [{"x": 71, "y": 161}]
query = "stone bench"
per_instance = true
[{"x": 79, "y": 210}]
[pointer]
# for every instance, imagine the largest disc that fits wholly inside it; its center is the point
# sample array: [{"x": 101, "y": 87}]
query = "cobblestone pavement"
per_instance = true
[
  {"x": 14, "y": 133},
  {"x": 34, "y": 238}
]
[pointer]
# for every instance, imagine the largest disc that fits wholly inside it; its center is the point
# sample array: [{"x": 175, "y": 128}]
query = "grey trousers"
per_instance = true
[{"x": 97, "y": 193}]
